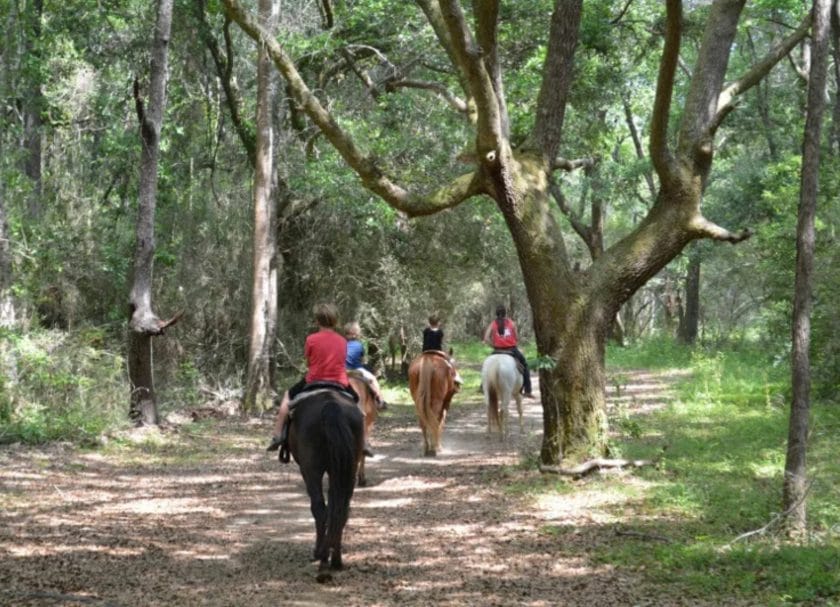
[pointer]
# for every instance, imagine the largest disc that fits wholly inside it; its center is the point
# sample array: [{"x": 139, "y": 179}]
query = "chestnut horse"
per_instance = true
[
  {"x": 367, "y": 404},
  {"x": 325, "y": 437},
  {"x": 501, "y": 380},
  {"x": 431, "y": 380}
]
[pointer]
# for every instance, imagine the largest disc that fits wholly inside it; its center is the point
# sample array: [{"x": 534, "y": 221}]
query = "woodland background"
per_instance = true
[{"x": 69, "y": 150}]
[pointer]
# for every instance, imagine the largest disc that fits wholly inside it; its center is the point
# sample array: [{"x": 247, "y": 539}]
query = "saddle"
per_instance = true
[
  {"x": 519, "y": 366},
  {"x": 318, "y": 387}
]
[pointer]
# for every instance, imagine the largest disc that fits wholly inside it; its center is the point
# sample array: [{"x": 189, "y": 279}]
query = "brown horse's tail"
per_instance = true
[{"x": 425, "y": 394}]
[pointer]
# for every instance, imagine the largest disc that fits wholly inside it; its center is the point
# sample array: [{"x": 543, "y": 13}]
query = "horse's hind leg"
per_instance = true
[{"x": 318, "y": 507}]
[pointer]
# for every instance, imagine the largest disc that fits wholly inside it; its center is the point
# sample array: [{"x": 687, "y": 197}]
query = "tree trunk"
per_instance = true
[
  {"x": 7, "y": 308},
  {"x": 834, "y": 136},
  {"x": 32, "y": 120},
  {"x": 144, "y": 324},
  {"x": 795, "y": 463},
  {"x": 258, "y": 388},
  {"x": 691, "y": 318}
]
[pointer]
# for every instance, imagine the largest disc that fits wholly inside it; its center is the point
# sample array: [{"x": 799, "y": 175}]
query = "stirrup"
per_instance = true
[
  {"x": 283, "y": 455},
  {"x": 276, "y": 442}
]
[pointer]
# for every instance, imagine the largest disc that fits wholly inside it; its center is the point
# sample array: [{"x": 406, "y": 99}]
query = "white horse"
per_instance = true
[{"x": 501, "y": 380}]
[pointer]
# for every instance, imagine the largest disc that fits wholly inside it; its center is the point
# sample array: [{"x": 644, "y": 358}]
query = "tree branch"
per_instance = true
[
  {"x": 637, "y": 144},
  {"x": 362, "y": 74},
  {"x": 577, "y": 225},
  {"x": 489, "y": 119},
  {"x": 572, "y": 165},
  {"x": 223, "y": 62},
  {"x": 431, "y": 9},
  {"x": 372, "y": 177},
  {"x": 707, "y": 229},
  {"x": 660, "y": 154},
  {"x": 487, "y": 20},
  {"x": 557, "y": 76},
  {"x": 456, "y": 103},
  {"x": 695, "y": 139},
  {"x": 726, "y": 100}
]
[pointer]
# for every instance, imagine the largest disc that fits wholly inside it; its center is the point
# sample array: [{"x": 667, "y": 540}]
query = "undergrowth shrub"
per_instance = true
[{"x": 60, "y": 386}]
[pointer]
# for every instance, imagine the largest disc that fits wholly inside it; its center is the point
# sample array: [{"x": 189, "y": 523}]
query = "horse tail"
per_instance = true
[
  {"x": 426, "y": 394},
  {"x": 341, "y": 467},
  {"x": 493, "y": 396}
]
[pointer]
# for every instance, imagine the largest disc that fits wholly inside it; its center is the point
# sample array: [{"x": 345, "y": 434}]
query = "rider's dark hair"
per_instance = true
[
  {"x": 501, "y": 312},
  {"x": 326, "y": 315}
]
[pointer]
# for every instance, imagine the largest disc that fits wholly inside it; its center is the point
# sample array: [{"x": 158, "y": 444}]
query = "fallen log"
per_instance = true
[{"x": 592, "y": 465}]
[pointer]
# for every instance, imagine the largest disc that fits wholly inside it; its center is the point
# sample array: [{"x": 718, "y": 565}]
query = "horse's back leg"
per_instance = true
[{"x": 318, "y": 507}]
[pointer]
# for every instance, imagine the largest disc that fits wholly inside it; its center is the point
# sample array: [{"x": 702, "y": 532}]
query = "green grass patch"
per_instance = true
[{"x": 723, "y": 439}]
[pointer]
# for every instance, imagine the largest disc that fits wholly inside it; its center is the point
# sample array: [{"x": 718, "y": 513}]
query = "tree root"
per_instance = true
[{"x": 592, "y": 465}]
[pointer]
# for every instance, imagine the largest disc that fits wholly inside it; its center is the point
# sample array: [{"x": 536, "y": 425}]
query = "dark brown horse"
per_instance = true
[
  {"x": 325, "y": 437},
  {"x": 367, "y": 404},
  {"x": 431, "y": 380}
]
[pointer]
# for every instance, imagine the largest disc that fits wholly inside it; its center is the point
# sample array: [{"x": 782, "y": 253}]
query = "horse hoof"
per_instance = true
[
  {"x": 361, "y": 482},
  {"x": 323, "y": 577}
]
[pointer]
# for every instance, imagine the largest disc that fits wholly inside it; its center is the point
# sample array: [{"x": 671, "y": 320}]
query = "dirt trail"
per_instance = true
[{"x": 234, "y": 528}]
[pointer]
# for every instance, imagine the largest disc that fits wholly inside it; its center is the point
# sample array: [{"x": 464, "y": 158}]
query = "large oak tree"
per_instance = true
[{"x": 572, "y": 310}]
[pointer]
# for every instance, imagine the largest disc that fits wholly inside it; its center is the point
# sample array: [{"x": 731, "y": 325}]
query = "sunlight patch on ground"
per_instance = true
[
  {"x": 583, "y": 505},
  {"x": 408, "y": 483},
  {"x": 28, "y": 550},
  {"x": 398, "y": 502},
  {"x": 160, "y": 506}
]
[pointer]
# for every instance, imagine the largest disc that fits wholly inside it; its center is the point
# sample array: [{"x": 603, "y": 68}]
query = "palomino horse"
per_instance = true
[
  {"x": 431, "y": 380},
  {"x": 367, "y": 404},
  {"x": 501, "y": 379},
  {"x": 326, "y": 436}
]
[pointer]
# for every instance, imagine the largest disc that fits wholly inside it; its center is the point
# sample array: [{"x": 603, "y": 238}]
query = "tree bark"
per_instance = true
[
  {"x": 258, "y": 394},
  {"x": 795, "y": 463},
  {"x": 690, "y": 322},
  {"x": 834, "y": 141},
  {"x": 143, "y": 323},
  {"x": 7, "y": 307},
  {"x": 32, "y": 119}
]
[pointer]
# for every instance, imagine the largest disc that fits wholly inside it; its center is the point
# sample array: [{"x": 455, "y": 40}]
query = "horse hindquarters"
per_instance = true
[{"x": 343, "y": 431}]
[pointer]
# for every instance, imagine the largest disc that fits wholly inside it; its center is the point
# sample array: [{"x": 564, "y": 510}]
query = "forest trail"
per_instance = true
[{"x": 233, "y": 527}]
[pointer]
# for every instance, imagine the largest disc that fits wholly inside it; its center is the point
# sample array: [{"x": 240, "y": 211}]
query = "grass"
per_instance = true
[{"x": 721, "y": 476}]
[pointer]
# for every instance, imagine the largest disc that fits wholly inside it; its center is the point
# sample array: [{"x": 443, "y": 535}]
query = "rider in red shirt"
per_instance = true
[
  {"x": 325, "y": 352},
  {"x": 501, "y": 334}
]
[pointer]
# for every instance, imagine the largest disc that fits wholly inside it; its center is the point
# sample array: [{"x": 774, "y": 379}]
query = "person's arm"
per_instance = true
[
  {"x": 487, "y": 333},
  {"x": 513, "y": 330}
]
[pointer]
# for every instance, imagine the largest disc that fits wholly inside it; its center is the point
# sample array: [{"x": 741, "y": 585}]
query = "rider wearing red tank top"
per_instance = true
[
  {"x": 504, "y": 337},
  {"x": 501, "y": 334}
]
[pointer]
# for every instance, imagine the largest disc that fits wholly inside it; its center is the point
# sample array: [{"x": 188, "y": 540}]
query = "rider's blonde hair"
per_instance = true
[{"x": 352, "y": 329}]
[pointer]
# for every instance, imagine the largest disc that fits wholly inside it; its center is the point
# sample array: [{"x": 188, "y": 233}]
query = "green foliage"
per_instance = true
[{"x": 60, "y": 386}]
